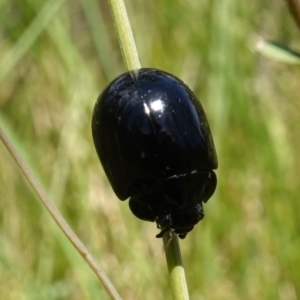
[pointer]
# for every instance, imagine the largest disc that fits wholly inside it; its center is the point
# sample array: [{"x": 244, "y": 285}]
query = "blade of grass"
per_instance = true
[
  {"x": 277, "y": 52},
  {"x": 79, "y": 246}
]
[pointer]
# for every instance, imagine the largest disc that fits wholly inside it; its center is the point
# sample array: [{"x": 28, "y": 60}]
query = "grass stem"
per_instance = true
[
  {"x": 125, "y": 36},
  {"x": 79, "y": 246},
  {"x": 131, "y": 61},
  {"x": 176, "y": 270}
]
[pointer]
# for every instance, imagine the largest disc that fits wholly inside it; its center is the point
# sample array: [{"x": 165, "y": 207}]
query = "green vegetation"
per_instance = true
[{"x": 56, "y": 57}]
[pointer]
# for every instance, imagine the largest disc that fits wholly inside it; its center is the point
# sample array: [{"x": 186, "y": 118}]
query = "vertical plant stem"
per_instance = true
[
  {"x": 124, "y": 32},
  {"x": 131, "y": 61},
  {"x": 78, "y": 245},
  {"x": 175, "y": 266}
]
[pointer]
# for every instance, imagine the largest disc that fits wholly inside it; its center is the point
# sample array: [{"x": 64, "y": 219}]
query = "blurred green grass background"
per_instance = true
[{"x": 56, "y": 57}]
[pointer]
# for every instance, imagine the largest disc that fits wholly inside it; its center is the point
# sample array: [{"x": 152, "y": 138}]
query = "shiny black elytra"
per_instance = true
[{"x": 155, "y": 145}]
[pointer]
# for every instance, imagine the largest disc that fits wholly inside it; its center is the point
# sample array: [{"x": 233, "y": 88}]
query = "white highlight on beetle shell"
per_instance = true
[{"x": 157, "y": 105}]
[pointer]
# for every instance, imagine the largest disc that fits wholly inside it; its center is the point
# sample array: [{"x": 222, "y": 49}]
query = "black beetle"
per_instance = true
[{"x": 155, "y": 145}]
